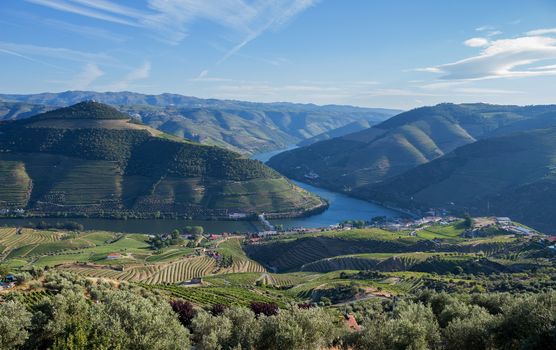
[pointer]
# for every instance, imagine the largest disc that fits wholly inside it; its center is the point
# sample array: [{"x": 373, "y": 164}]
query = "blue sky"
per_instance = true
[{"x": 388, "y": 53}]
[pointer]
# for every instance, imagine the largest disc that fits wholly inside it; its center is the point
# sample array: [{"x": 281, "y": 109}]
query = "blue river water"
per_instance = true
[{"x": 341, "y": 207}]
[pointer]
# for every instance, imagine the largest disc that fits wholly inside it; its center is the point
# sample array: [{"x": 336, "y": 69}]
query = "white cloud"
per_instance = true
[
  {"x": 55, "y": 52},
  {"x": 140, "y": 73},
  {"x": 83, "y": 11},
  {"x": 543, "y": 31},
  {"x": 83, "y": 80},
  {"x": 92, "y": 32},
  {"x": 504, "y": 59},
  {"x": 170, "y": 19},
  {"x": 248, "y": 19},
  {"x": 476, "y": 42},
  {"x": 31, "y": 59},
  {"x": 485, "y": 28}
]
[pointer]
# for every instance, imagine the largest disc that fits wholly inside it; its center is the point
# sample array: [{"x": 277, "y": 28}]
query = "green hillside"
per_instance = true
[
  {"x": 400, "y": 143},
  {"x": 338, "y": 132},
  {"x": 244, "y": 127},
  {"x": 91, "y": 158},
  {"x": 510, "y": 175}
]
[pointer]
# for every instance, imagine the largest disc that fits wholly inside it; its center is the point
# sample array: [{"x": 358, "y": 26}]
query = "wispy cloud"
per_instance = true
[
  {"x": 543, "y": 31},
  {"x": 248, "y": 19},
  {"x": 476, "y": 42},
  {"x": 505, "y": 58},
  {"x": 83, "y": 11},
  {"x": 140, "y": 73},
  {"x": 82, "y": 30},
  {"x": 488, "y": 30},
  {"x": 55, "y": 52},
  {"x": 83, "y": 80},
  {"x": 170, "y": 19},
  {"x": 27, "y": 58}
]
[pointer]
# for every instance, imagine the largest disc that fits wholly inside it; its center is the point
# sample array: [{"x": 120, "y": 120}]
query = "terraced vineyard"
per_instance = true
[
  {"x": 183, "y": 270},
  {"x": 206, "y": 296},
  {"x": 15, "y": 185},
  {"x": 179, "y": 271},
  {"x": 20, "y": 242},
  {"x": 29, "y": 299}
]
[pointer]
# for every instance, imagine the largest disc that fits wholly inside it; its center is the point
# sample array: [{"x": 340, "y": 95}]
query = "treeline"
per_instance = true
[
  {"x": 82, "y": 314},
  {"x": 66, "y": 225}
]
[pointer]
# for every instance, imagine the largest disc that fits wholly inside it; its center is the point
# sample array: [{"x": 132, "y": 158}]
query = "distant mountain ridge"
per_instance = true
[
  {"x": 90, "y": 158},
  {"x": 398, "y": 144},
  {"x": 476, "y": 158},
  {"x": 245, "y": 127}
]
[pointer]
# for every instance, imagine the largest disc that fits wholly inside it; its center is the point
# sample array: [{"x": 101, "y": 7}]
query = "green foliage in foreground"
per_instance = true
[{"x": 81, "y": 314}]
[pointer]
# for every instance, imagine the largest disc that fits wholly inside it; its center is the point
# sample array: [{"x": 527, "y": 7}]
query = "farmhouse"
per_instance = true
[
  {"x": 113, "y": 256},
  {"x": 503, "y": 220}
]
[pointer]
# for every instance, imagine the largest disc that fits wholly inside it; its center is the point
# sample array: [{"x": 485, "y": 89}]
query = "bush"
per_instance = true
[
  {"x": 184, "y": 310},
  {"x": 267, "y": 309}
]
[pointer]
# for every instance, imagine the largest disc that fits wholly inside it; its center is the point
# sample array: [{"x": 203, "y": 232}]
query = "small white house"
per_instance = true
[{"x": 503, "y": 220}]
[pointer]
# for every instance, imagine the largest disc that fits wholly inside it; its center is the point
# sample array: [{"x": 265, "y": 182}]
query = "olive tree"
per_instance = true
[{"x": 14, "y": 321}]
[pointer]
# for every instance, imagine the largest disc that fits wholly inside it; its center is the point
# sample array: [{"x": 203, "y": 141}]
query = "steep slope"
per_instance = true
[
  {"x": 92, "y": 158},
  {"x": 338, "y": 132},
  {"x": 244, "y": 127},
  {"x": 512, "y": 175},
  {"x": 398, "y": 144},
  {"x": 20, "y": 110}
]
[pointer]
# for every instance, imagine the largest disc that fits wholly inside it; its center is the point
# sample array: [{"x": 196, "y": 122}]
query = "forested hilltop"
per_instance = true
[
  {"x": 245, "y": 127},
  {"x": 92, "y": 158}
]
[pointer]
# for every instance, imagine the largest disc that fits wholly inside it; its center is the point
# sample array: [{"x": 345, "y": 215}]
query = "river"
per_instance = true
[{"x": 341, "y": 208}]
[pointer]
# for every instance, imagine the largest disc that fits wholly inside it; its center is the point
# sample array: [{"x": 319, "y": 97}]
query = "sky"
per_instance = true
[{"x": 379, "y": 53}]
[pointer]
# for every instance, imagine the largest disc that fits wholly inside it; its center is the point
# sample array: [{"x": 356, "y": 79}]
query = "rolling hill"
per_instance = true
[
  {"x": 512, "y": 175},
  {"x": 338, "y": 132},
  {"x": 244, "y": 127},
  {"x": 402, "y": 142},
  {"x": 91, "y": 158}
]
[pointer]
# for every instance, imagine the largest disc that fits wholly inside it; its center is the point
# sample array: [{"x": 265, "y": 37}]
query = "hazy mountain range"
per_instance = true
[{"x": 245, "y": 127}]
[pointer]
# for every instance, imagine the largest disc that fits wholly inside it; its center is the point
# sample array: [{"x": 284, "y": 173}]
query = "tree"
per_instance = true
[
  {"x": 211, "y": 332},
  {"x": 298, "y": 329},
  {"x": 194, "y": 230},
  {"x": 267, "y": 309},
  {"x": 473, "y": 332},
  {"x": 528, "y": 322},
  {"x": 410, "y": 326},
  {"x": 217, "y": 309},
  {"x": 14, "y": 322},
  {"x": 69, "y": 321},
  {"x": 184, "y": 310},
  {"x": 246, "y": 328},
  {"x": 147, "y": 323},
  {"x": 4, "y": 270},
  {"x": 467, "y": 221}
]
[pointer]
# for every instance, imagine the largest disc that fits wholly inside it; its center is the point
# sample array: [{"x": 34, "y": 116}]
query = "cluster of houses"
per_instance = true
[
  {"x": 7, "y": 282},
  {"x": 7, "y": 211},
  {"x": 507, "y": 224}
]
